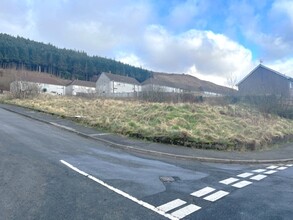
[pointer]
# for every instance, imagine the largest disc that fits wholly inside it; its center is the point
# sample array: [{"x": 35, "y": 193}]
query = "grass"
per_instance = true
[{"x": 231, "y": 127}]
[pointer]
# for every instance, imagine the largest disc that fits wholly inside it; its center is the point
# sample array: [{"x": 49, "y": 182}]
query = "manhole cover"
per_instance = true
[{"x": 169, "y": 179}]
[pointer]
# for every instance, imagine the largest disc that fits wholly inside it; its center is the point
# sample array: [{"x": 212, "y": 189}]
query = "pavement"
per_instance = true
[{"x": 277, "y": 154}]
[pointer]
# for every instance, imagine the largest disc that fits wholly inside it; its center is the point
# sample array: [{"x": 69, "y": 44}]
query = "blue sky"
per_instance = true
[{"x": 209, "y": 39}]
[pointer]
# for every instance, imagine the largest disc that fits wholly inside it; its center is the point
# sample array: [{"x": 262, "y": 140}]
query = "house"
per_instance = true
[
  {"x": 265, "y": 81},
  {"x": 77, "y": 87},
  {"x": 182, "y": 83},
  {"x": 109, "y": 84},
  {"x": 43, "y": 83}
]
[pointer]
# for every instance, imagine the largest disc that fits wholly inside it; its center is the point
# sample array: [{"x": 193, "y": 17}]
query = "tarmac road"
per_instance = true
[{"x": 96, "y": 181}]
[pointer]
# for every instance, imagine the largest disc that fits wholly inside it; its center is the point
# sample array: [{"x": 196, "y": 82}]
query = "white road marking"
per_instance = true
[
  {"x": 272, "y": 167},
  {"x": 229, "y": 181},
  {"x": 270, "y": 172},
  {"x": 215, "y": 196},
  {"x": 120, "y": 192},
  {"x": 259, "y": 170},
  {"x": 203, "y": 191},
  {"x": 171, "y": 205},
  {"x": 282, "y": 168},
  {"x": 187, "y": 210},
  {"x": 74, "y": 168},
  {"x": 101, "y": 134},
  {"x": 242, "y": 184},
  {"x": 289, "y": 165},
  {"x": 244, "y": 175},
  {"x": 258, "y": 177},
  {"x": 62, "y": 126}
]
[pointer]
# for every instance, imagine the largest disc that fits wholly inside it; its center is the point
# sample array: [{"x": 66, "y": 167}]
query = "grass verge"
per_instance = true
[{"x": 231, "y": 127}]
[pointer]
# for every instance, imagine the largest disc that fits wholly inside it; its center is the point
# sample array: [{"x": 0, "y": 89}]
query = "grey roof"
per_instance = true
[
  {"x": 120, "y": 78},
  {"x": 42, "y": 78},
  {"x": 82, "y": 83},
  {"x": 185, "y": 82},
  {"x": 267, "y": 68}
]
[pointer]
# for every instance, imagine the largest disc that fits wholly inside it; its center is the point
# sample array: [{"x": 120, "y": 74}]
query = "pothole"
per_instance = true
[{"x": 169, "y": 179}]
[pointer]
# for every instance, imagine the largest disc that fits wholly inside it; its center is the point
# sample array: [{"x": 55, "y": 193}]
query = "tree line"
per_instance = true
[{"x": 20, "y": 53}]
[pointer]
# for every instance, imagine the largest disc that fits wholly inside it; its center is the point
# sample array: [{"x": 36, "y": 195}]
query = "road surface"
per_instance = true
[{"x": 49, "y": 173}]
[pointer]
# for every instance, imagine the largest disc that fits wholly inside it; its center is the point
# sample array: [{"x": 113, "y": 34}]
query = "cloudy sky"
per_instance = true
[{"x": 210, "y": 39}]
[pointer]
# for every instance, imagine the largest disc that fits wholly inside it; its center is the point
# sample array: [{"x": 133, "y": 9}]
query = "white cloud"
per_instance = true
[
  {"x": 133, "y": 32},
  {"x": 284, "y": 7},
  {"x": 284, "y": 66},
  {"x": 130, "y": 58},
  {"x": 200, "y": 53}
]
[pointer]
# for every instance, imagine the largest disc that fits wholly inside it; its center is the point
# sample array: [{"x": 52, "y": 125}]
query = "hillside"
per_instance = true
[
  {"x": 190, "y": 83},
  {"x": 21, "y": 53},
  {"x": 9, "y": 75},
  {"x": 17, "y": 53}
]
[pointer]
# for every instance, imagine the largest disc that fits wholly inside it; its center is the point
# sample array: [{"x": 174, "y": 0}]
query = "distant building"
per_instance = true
[
  {"x": 79, "y": 87},
  {"x": 45, "y": 84},
  {"x": 114, "y": 85},
  {"x": 182, "y": 83},
  {"x": 265, "y": 81}
]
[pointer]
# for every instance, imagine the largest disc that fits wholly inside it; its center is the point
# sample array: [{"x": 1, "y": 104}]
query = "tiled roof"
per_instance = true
[
  {"x": 264, "y": 67},
  {"x": 82, "y": 83},
  {"x": 42, "y": 78},
  {"x": 186, "y": 82},
  {"x": 123, "y": 79}
]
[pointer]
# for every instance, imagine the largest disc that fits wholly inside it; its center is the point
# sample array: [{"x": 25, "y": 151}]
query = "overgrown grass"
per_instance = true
[{"x": 231, "y": 127}]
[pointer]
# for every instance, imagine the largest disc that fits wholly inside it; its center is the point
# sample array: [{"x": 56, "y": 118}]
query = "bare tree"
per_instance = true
[
  {"x": 22, "y": 90},
  {"x": 232, "y": 80}
]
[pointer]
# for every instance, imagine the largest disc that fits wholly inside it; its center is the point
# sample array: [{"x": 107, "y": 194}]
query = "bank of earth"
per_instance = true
[{"x": 229, "y": 127}]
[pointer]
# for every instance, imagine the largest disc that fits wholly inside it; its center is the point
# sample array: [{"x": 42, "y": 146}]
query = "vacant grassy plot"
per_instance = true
[{"x": 193, "y": 125}]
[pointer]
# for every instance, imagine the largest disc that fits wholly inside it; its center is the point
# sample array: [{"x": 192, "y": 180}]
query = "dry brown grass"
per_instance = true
[{"x": 194, "y": 125}]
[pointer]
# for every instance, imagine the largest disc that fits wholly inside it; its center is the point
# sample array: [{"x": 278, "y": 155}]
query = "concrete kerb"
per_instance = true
[{"x": 156, "y": 153}]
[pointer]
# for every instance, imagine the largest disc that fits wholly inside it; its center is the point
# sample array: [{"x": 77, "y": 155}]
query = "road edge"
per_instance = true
[{"x": 152, "y": 152}]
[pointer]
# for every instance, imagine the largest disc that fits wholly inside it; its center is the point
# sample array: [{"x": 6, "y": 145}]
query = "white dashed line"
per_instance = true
[
  {"x": 270, "y": 172},
  {"x": 101, "y": 134},
  {"x": 171, "y": 205},
  {"x": 187, "y": 210},
  {"x": 282, "y": 168},
  {"x": 120, "y": 192},
  {"x": 242, "y": 184},
  {"x": 244, "y": 175},
  {"x": 229, "y": 181},
  {"x": 259, "y": 170},
  {"x": 215, "y": 196},
  {"x": 258, "y": 177},
  {"x": 272, "y": 167},
  {"x": 203, "y": 191},
  {"x": 62, "y": 126}
]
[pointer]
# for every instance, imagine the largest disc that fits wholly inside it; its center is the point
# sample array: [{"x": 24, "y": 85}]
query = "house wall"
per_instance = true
[
  {"x": 120, "y": 87},
  {"x": 52, "y": 89},
  {"x": 43, "y": 87},
  {"x": 68, "y": 90},
  {"x": 158, "y": 88},
  {"x": 103, "y": 85},
  {"x": 264, "y": 82},
  {"x": 291, "y": 89},
  {"x": 75, "y": 89}
]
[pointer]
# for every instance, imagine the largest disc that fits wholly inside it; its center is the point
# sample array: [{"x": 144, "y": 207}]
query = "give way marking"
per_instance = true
[{"x": 126, "y": 195}]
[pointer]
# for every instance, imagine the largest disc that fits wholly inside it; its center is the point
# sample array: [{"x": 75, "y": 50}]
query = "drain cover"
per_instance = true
[{"x": 169, "y": 179}]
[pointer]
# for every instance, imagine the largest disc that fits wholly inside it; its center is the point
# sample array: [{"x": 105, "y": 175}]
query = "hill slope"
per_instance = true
[{"x": 21, "y": 53}]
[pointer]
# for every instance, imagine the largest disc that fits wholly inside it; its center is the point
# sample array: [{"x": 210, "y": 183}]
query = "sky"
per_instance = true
[{"x": 216, "y": 40}]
